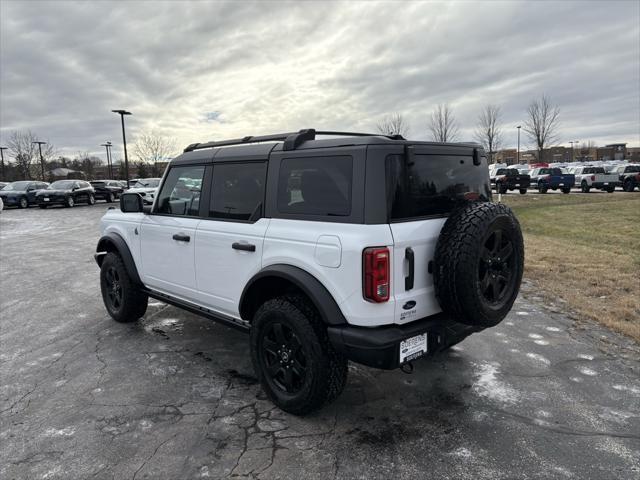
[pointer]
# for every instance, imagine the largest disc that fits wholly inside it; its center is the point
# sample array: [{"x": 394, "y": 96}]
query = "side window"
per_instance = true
[
  {"x": 238, "y": 191},
  {"x": 180, "y": 194},
  {"x": 315, "y": 186}
]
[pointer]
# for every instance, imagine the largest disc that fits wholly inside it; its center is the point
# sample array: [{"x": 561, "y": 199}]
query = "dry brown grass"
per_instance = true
[{"x": 585, "y": 249}]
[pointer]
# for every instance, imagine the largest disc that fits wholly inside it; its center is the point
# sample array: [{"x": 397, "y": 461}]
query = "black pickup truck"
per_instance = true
[{"x": 503, "y": 179}]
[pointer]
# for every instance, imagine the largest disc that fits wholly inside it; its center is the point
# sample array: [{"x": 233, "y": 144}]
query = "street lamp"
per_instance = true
[
  {"x": 2, "y": 149},
  {"x": 41, "y": 159},
  {"x": 107, "y": 146},
  {"x": 576, "y": 142},
  {"x": 122, "y": 113},
  {"x": 519, "y": 127}
]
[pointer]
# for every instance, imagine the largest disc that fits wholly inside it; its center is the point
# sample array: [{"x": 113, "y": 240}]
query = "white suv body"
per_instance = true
[{"x": 367, "y": 239}]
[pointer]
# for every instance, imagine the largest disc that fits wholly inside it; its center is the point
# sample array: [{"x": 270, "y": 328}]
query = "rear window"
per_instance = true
[
  {"x": 431, "y": 185},
  {"x": 315, "y": 186}
]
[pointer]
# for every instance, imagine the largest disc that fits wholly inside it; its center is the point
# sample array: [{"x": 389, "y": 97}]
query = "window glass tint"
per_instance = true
[
  {"x": 238, "y": 191},
  {"x": 180, "y": 194},
  {"x": 315, "y": 186},
  {"x": 431, "y": 184}
]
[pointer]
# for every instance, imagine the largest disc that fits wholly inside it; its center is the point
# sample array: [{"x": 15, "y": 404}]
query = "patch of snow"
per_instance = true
[
  {"x": 487, "y": 385},
  {"x": 588, "y": 372},
  {"x": 522, "y": 314},
  {"x": 462, "y": 453},
  {"x": 576, "y": 379},
  {"x": 514, "y": 350},
  {"x": 585, "y": 357},
  {"x": 534, "y": 335},
  {"x": 626, "y": 388},
  {"x": 553, "y": 329},
  {"x": 509, "y": 323},
  {"x": 63, "y": 432},
  {"x": 541, "y": 342},
  {"x": 543, "y": 413},
  {"x": 539, "y": 358}
]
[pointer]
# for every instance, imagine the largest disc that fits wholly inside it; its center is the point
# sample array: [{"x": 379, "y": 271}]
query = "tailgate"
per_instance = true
[{"x": 414, "y": 242}]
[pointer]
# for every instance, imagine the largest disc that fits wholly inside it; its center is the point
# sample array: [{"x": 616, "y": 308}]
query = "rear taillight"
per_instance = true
[
  {"x": 593, "y": 178},
  {"x": 376, "y": 282}
]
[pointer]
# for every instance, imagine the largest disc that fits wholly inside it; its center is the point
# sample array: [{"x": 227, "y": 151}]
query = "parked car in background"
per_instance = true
[
  {"x": 3, "y": 184},
  {"x": 67, "y": 193},
  {"x": 21, "y": 194},
  {"x": 545, "y": 178},
  {"x": 503, "y": 179},
  {"x": 594, "y": 177},
  {"x": 628, "y": 176},
  {"x": 147, "y": 188},
  {"x": 108, "y": 190},
  {"x": 1, "y": 205}
]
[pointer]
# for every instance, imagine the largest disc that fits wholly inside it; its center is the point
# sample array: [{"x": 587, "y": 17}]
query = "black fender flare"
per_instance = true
[
  {"x": 112, "y": 242},
  {"x": 322, "y": 300}
]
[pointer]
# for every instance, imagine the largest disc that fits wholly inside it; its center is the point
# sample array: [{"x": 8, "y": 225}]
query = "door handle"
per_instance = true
[
  {"x": 181, "y": 237},
  {"x": 247, "y": 247},
  {"x": 408, "y": 280}
]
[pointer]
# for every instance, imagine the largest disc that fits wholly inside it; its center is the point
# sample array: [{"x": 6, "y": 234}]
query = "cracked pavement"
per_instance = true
[{"x": 543, "y": 395}]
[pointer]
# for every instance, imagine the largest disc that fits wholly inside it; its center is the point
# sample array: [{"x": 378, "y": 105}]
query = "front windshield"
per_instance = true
[
  {"x": 147, "y": 183},
  {"x": 17, "y": 186},
  {"x": 62, "y": 185}
]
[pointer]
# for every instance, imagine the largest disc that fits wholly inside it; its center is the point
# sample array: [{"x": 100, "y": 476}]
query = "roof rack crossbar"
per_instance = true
[{"x": 292, "y": 140}]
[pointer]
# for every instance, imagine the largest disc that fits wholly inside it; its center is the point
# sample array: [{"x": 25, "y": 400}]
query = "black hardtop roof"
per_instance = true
[{"x": 259, "y": 147}]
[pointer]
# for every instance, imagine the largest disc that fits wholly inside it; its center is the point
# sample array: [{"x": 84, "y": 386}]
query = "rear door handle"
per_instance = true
[
  {"x": 181, "y": 237},
  {"x": 408, "y": 280},
  {"x": 247, "y": 247}
]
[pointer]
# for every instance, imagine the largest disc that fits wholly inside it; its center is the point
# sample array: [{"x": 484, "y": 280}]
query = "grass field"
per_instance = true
[{"x": 585, "y": 249}]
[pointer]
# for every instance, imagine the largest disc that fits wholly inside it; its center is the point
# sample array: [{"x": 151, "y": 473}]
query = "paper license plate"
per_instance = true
[{"x": 413, "y": 347}]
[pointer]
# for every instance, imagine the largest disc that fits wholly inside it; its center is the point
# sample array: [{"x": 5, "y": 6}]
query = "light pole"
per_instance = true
[
  {"x": 2, "y": 149},
  {"x": 107, "y": 146},
  {"x": 576, "y": 144},
  {"x": 519, "y": 127},
  {"x": 41, "y": 159},
  {"x": 122, "y": 113}
]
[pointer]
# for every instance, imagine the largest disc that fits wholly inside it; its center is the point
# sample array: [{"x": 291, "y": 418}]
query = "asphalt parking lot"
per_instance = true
[{"x": 541, "y": 396}]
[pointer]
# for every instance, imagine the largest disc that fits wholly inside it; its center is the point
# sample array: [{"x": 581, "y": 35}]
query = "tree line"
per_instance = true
[
  {"x": 149, "y": 150},
  {"x": 541, "y": 125}
]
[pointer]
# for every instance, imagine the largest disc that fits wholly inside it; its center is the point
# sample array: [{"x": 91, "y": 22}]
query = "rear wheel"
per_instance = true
[
  {"x": 611, "y": 189},
  {"x": 122, "y": 298},
  {"x": 478, "y": 262},
  {"x": 566, "y": 190},
  {"x": 23, "y": 203},
  {"x": 584, "y": 186},
  {"x": 523, "y": 191},
  {"x": 501, "y": 188},
  {"x": 69, "y": 202},
  {"x": 91, "y": 200},
  {"x": 297, "y": 366},
  {"x": 542, "y": 188},
  {"x": 628, "y": 185}
]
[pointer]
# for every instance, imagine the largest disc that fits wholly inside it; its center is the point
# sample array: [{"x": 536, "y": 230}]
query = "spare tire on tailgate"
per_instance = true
[{"x": 478, "y": 263}]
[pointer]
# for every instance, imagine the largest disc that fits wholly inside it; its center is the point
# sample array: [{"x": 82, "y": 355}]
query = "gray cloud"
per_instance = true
[{"x": 198, "y": 71}]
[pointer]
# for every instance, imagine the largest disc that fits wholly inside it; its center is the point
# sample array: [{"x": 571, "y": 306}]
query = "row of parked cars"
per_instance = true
[
  {"x": 69, "y": 193},
  {"x": 585, "y": 177}
]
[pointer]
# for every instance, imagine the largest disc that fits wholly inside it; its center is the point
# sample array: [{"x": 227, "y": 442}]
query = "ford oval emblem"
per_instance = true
[{"x": 409, "y": 305}]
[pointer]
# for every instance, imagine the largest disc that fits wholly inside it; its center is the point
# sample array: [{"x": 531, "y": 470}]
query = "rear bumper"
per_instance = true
[
  {"x": 379, "y": 347},
  {"x": 605, "y": 184}
]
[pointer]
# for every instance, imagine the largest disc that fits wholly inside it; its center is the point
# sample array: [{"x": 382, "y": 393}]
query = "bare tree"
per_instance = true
[
  {"x": 393, "y": 124},
  {"x": 152, "y": 147},
  {"x": 489, "y": 129},
  {"x": 542, "y": 124},
  {"x": 443, "y": 125},
  {"x": 26, "y": 153}
]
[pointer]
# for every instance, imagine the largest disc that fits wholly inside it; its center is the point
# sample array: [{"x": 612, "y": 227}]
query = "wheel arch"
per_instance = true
[
  {"x": 275, "y": 280},
  {"x": 112, "y": 242}
]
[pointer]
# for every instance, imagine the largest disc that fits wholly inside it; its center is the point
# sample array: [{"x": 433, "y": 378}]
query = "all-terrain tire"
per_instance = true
[
  {"x": 325, "y": 372},
  {"x": 523, "y": 191},
  {"x": 628, "y": 185},
  {"x": 478, "y": 264},
  {"x": 131, "y": 302},
  {"x": 611, "y": 189},
  {"x": 566, "y": 190},
  {"x": 584, "y": 186},
  {"x": 542, "y": 188}
]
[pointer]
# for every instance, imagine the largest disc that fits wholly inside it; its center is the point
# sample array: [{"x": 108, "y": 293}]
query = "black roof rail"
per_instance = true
[{"x": 292, "y": 140}]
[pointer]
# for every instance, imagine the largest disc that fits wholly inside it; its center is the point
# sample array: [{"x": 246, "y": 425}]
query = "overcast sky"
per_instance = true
[{"x": 203, "y": 71}]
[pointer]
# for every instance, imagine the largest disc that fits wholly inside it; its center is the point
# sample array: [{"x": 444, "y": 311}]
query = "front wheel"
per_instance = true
[
  {"x": 23, "y": 203},
  {"x": 628, "y": 186},
  {"x": 298, "y": 368},
  {"x": 69, "y": 202},
  {"x": 566, "y": 190},
  {"x": 122, "y": 298},
  {"x": 110, "y": 198},
  {"x": 584, "y": 187},
  {"x": 542, "y": 188},
  {"x": 523, "y": 191},
  {"x": 92, "y": 200},
  {"x": 611, "y": 189}
]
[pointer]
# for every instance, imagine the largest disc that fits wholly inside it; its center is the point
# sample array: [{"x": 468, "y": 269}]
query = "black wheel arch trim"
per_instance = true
[
  {"x": 323, "y": 301},
  {"x": 112, "y": 241}
]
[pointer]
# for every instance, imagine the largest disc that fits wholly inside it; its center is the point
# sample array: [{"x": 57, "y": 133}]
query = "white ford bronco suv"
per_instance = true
[{"x": 358, "y": 247}]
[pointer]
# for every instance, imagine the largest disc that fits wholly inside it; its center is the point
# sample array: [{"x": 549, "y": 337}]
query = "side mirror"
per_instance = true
[{"x": 131, "y": 203}]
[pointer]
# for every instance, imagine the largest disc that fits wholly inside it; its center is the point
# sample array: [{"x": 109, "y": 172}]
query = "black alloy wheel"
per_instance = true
[
  {"x": 284, "y": 358},
  {"x": 113, "y": 288},
  {"x": 496, "y": 267}
]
